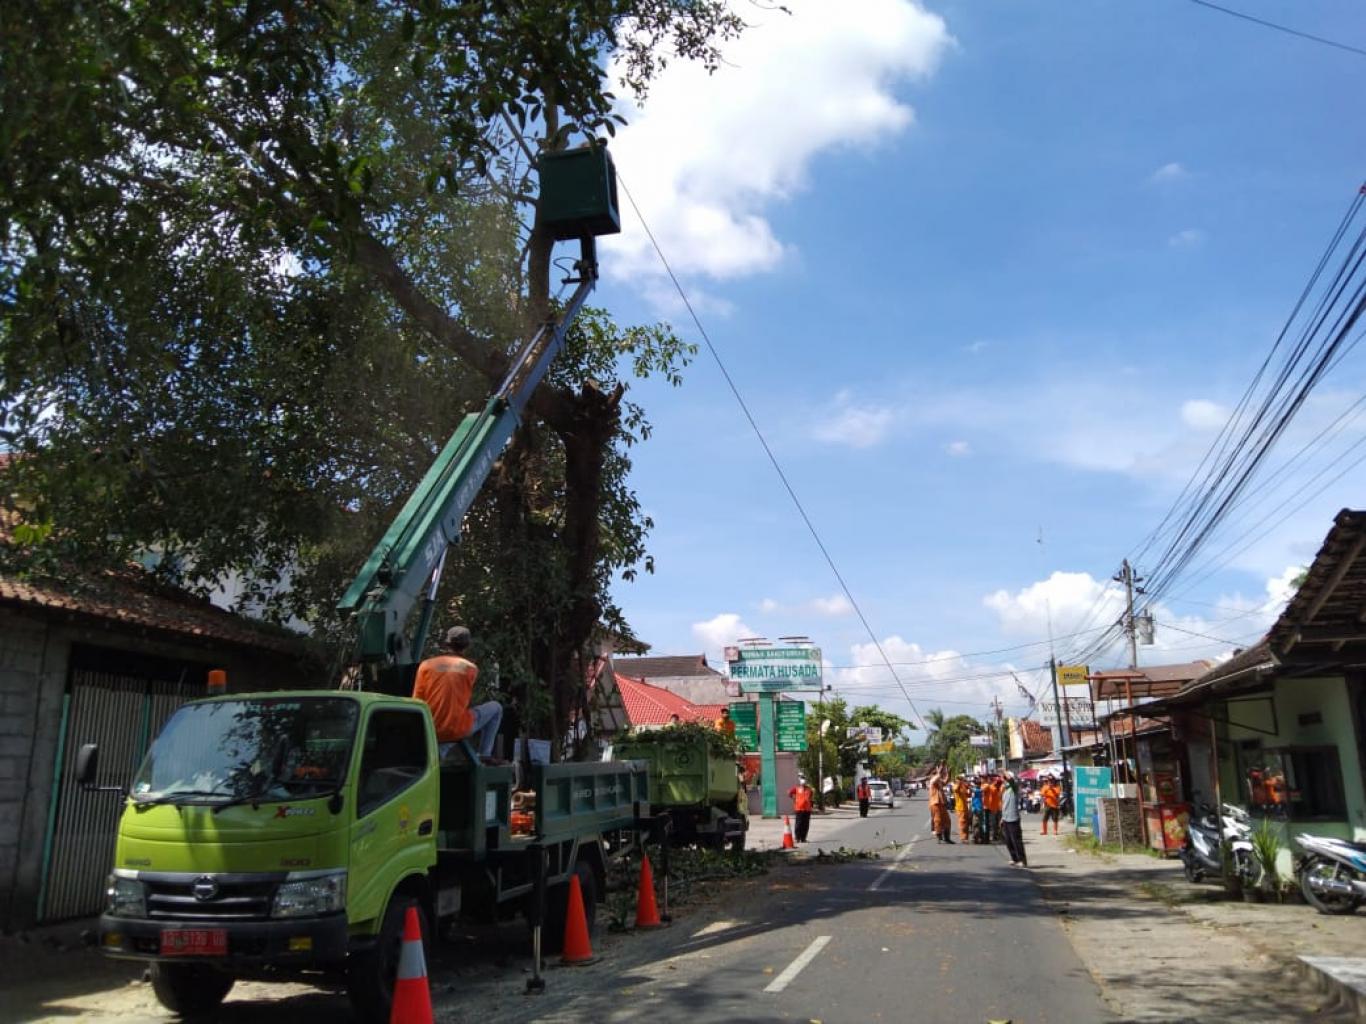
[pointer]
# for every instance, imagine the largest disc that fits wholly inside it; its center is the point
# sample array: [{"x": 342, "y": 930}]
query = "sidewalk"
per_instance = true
[{"x": 1163, "y": 949}]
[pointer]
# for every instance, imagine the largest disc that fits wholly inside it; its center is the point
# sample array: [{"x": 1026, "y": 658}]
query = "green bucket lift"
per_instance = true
[{"x": 579, "y": 192}]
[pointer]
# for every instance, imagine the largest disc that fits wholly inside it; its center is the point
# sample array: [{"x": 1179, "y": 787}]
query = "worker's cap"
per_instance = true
[
  {"x": 801, "y": 778},
  {"x": 458, "y": 637}
]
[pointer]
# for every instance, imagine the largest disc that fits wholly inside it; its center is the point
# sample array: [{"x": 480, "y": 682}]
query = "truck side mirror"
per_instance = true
[{"x": 86, "y": 762}]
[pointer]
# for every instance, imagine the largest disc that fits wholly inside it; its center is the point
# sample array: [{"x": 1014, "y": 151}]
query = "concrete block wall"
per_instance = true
[{"x": 32, "y": 678}]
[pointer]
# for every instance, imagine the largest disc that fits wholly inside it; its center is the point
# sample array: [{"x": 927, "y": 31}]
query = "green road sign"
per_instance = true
[
  {"x": 745, "y": 715},
  {"x": 791, "y": 725},
  {"x": 774, "y": 669}
]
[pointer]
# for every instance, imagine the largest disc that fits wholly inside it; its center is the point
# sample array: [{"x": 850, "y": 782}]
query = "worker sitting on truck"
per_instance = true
[
  {"x": 725, "y": 724},
  {"x": 445, "y": 683}
]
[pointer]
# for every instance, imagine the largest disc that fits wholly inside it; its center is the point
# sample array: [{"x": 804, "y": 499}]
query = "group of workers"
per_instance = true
[{"x": 988, "y": 807}]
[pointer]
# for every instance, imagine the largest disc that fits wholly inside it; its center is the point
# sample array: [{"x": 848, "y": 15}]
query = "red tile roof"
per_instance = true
[
  {"x": 1037, "y": 739},
  {"x": 652, "y": 705}
]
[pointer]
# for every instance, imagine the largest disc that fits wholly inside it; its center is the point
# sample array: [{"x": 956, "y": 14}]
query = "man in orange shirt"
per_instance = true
[
  {"x": 962, "y": 794},
  {"x": 939, "y": 809},
  {"x": 445, "y": 683},
  {"x": 803, "y": 797},
  {"x": 991, "y": 799},
  {"x": 725, "y": 724},
  {"x": 1052, "y": 801}
]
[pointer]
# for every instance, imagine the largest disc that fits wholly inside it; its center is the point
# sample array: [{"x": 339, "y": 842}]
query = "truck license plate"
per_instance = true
[{"x": 194, "y": 942}]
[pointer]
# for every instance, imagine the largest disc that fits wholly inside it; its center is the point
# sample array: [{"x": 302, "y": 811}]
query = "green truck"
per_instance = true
[
  {"x": 693, "y": 781},
  {"x": 290, "y": 832}
]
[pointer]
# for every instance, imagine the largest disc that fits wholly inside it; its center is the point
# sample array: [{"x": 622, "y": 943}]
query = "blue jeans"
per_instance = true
[{"x": 483, "y": 730}]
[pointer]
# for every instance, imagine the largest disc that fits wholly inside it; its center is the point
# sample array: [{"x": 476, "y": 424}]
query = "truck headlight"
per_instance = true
[
  {"x": 127, "y": 897},
  {"x": 310, "y": 897}
]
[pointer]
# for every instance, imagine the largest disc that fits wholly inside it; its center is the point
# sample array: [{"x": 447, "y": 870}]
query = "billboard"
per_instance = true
[
  {"x": 870, "y": 734},
  {"x": 1077, "y": 711},
  {"x": 774, "y": 669},
  {"x": 981, "y": 740},
  {"x": 791, "y": 725},
  {"x": 1072, "y": 675}
]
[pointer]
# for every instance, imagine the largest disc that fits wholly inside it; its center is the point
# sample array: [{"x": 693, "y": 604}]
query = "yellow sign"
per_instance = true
[
  {"x": 881, "y": 748},
  {"x": 1072, "y": 675}
]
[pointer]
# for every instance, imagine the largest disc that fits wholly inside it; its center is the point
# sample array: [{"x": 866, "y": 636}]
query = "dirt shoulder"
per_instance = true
[{"x": 1160, "y": 949}]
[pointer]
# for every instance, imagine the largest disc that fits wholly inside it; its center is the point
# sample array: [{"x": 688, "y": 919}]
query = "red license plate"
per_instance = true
[{"x": 194, "y": 942}]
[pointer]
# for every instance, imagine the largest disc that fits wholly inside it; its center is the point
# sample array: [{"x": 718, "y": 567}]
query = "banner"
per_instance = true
[
  {"x": 1072, "y": 675},
  {"x": 1077, "y": 712}
]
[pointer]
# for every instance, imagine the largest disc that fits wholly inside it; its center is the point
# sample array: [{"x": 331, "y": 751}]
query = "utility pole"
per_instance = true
[
  {"x": 1057, "y": 706},
  {"x": 1130, "y": 581},
  {"x": 996, "y": 706}
]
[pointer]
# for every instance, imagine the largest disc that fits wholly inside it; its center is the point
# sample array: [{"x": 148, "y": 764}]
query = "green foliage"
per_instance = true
[
  {"x": 1266, "y": 848},
  {"x": 255, "y": 262},
  {"x": 694, "y": 732},
  {"x": 948, "y": 742}
]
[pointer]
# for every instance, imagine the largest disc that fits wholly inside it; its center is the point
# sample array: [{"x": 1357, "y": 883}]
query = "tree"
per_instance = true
[
  {"x": 950, "y": 741},
  {"x": 255, "y": 260}
]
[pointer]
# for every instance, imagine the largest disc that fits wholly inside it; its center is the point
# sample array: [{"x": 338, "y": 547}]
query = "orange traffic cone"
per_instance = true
[
  {"x": 788, "y": 844},
  {"x": 647, "y": 914},
  {"x": 412, "y": 998},
  {"x": 577, "y": 948}
]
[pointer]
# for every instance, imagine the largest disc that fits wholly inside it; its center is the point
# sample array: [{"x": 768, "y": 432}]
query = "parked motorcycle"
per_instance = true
[
  {"x": 1200, "y": 855},
  {"x": 1332, "y": 873}
]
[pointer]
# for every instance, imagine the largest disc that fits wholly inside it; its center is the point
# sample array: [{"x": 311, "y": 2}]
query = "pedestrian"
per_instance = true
[
  {"x": 863, "y": 793},
  {"x": 803, "y": 799},
  {"x": 674, "y": 720},
  {"x": 939, "y": 805},
  {"x": 962, "y": 791},
  {"x": 991, "y": 797},
  {"x": 1052, "y": 803},
  {"x": 977, "y": 804},
  {"x": 1010, "y": 821},
  {"x": 445, "y": 683}
]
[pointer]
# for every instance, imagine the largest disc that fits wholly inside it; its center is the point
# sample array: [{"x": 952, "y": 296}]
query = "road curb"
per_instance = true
[{"x": 1342, "y": 977}]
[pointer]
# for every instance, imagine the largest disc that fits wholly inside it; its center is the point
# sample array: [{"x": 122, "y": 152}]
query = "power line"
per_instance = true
[
  {"x": 1282, "y": 28},
  {"x": 972, "y": 654},
  {"x": 763, "y": 441}
]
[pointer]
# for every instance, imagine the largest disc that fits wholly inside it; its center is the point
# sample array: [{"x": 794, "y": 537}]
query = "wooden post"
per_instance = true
[{"x": 1138, "y": 772}]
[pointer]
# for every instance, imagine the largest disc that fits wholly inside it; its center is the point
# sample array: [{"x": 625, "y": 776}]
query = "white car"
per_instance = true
[{"x": 880, "y": 793}]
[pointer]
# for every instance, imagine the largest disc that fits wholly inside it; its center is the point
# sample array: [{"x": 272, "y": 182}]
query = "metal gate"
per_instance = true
[{"x": 121, "y": 706}]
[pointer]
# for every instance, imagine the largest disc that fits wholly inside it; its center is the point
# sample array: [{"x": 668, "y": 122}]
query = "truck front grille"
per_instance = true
[{"x": 235, "y": 899}]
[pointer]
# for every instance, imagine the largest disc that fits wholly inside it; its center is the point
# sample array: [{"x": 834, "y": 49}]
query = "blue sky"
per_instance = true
[{"x": 980, "y": 269}]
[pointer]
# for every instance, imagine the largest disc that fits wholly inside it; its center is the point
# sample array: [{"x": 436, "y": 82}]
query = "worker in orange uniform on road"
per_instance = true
[
  {"x": 445, "y": 683},
  {"x": 991, "y": 801},
  {"x": 962, "y": 793},
  {"x": 802, "y": 801},
  {"x": 940, "y": 824},
  {"x": 1052, "y": 802}
]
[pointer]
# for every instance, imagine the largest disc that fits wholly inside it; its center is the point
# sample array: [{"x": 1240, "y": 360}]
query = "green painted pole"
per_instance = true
[
  {"x": 54, "y": 796},
  {"x": 768, "y": 753}
]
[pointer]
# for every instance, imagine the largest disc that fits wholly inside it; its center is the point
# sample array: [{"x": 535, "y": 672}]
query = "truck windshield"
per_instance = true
[{"x": 258, "y": 750}]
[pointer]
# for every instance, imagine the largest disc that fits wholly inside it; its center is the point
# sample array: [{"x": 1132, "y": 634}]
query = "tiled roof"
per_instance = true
[
  {"x": 132, "y": 600},
  {"x": 1147, "y": 681},
  {"x": 652, "y": 705},
  {"x": 1036, "y": 737},
  {"x": 665, "y": 666}
]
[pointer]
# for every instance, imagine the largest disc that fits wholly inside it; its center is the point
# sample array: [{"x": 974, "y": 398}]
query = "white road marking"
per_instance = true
[
  {"x": 876, "y": 883},
  {"x": 795, "y": 967}
]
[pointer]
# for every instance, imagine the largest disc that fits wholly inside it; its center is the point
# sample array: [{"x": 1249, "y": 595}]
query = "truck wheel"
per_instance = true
[
  {"x": 370, "y": 975},
  {"x": 190, "y": 990},
  {"x": 737, "y": 844},
  {"x": 557, "y": 908}
]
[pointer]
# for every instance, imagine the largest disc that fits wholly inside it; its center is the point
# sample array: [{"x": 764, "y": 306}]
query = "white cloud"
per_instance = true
[
  {"x": 1168, "y": 174},
  {"x": 855, "y": 427},
  {"x": 834, "y": 606},
  {"x": 976, "y": 348},
  {"x": 768, "y": 605},
  {"x": 1187, "y": 239},
  {"x": 1202, "y": 414},
  {"x": 1065, "y": 603},
  {"x": 708, "y": 153},
  {"x": 719, "y": 632},
  {"x": 958, "y": 449},
  {"x": 1281, "y": 589}
]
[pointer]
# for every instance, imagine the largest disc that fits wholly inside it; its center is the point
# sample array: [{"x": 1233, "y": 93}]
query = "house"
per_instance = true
[
  {"x": 687, "y": 675},
  {"x": 1281, "y": 727},
  {"x": 104, "y": 658}
]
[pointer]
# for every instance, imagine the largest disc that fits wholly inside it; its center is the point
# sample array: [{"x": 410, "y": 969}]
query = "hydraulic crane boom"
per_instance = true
[{"x": 578, "y": 200}]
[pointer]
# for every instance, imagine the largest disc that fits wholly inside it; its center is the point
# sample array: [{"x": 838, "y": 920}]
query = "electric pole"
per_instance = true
[
  {"x": 996, "y": 707},
  {"x": 1058, "y": 710},
  {"x": 1130, "y": 581}
]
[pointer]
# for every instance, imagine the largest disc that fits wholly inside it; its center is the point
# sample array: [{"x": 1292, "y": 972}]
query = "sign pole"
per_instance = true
[{"x": 768, "y": 754}]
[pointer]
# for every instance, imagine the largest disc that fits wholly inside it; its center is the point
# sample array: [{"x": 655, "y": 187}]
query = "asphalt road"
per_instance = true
[{"x": 924, "y": 933}]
